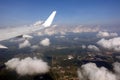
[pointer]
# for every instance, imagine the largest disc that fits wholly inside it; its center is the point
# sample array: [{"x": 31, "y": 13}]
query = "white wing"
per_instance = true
[{"x": 14, "y": 32}]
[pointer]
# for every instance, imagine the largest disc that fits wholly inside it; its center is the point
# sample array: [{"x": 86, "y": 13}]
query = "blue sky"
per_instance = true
[{"x": 20, "y": 12}]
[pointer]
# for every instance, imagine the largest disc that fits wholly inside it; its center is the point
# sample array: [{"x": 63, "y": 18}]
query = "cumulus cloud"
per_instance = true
[
  {"x": 93, "y": 47},
  {"x": 26, "y": 43},
  {"x": 103, "y": 34},
  {"x": 116, "y": 67},
  {"x": 90, "y": 71},
  {"x": 45, "y": 42},
  {"x": 83, "y": 46},
  {"x": 27, "y": 66},
  {"x": 111, "y": 44}
]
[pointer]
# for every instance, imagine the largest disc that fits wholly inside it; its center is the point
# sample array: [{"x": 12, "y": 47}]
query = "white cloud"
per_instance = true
[
  {"x": 116, "y": 67},
  {"x": 103, "y": 34},
  {"x": 48, "y": 31},
  {"x": 26, "y": 43},
  {"x": 93, "y": 47},
  {"x": 83, "y": 46},
  {"x": 28, "y": 66},
  {"x": 45, "y": 42},
  {"x": 61, "y": 36},
  {"x": 81, "y": 28},
  {"x": 39, "y": 33},
  {"x": 76, "y": 38},
  {"x": 55, "y": 29},
  {"x": 111, "y": 44},
  {"x": 35, "y": 47},
  {"x": 38, "y": 23},
  {"x": 113, "y": 34},
  {"x": 90, "y": 71}
]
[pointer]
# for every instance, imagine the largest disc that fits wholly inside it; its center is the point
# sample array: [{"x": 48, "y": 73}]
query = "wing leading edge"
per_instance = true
[{"x": 49, "y": 21}]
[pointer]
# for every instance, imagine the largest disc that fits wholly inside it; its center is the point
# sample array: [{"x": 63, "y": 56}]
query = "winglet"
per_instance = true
[
  {"x": 3, "y": 47},
  {"x": 48, "y": 22}
]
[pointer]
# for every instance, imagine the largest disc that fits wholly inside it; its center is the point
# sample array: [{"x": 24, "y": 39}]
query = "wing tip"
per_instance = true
[
  {"x": 49, "y": 21},
  {"x": 3, "y": 47}
]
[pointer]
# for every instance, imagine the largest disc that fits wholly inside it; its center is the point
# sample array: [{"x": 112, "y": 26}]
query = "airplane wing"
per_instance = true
[{"x": 18, "y": 31}]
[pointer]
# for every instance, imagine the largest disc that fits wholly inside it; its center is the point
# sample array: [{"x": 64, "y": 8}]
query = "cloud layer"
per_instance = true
[
  {"x": 65, "y": 29},
  {"x": 90, "y": 71},
  {"x": 27, "y": 66}
]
